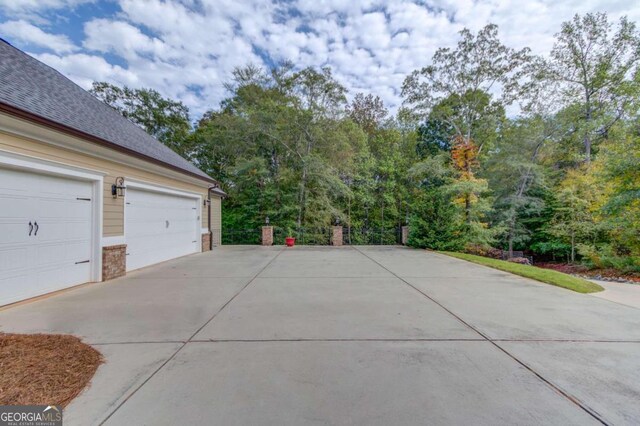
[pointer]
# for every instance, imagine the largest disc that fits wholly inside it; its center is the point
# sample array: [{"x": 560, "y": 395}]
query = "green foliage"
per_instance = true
[
  {"x": 455, "y": 87},
  {"x": 165, "y": 119},
  {"x": 434, "y": 136},
  {"x": 560, "y": 181},
  {"x": 434, "y": 223},
  {"x": 548, "y": 276},
  {"x": 591, "y": 71}
]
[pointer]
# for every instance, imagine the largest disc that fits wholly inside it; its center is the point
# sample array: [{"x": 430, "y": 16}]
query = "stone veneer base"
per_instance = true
[
  {"x": 206, "y": 242},
  {"x": 114, "y": 261}
]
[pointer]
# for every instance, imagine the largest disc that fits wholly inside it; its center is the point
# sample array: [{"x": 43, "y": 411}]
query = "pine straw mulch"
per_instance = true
[{"x": 44, "y": 369}]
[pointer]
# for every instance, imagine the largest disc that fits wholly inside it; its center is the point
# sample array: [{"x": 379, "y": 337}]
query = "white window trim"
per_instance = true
[{"x": 25, "y": 162}]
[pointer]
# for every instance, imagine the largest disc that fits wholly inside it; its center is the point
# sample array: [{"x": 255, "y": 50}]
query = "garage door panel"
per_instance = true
[
  {"x": 17, "y": 182},
  {"x": 42, "y": 262},
  {"x": 13, "y": 288},
  {"x": 13, "y": 232},
  {"x": 60, "y": 187},
  {"x": 68, "y": 252},
  {"x": 49, "y": 231},
  {"x": 159, "y": 227},
  {"x": 64, "y": 208},
  {"x": 14, "y": 206},
  {"x": 14, "y": 259},
  {"x": 76, "y": 274}
]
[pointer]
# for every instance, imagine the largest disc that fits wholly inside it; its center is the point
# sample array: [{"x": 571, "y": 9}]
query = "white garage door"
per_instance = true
[
  {"x": 45, "y": 234},
  {"x": 159, "y": 227}
]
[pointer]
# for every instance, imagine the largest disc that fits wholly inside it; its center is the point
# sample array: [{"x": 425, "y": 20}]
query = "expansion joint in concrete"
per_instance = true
[
  {"x": 553, "y": 386},
  {"x": 189, "y": 339}
]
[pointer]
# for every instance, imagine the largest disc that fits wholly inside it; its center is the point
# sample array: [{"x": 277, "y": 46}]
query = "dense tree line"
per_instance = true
[{"x": 560, "y": 178}]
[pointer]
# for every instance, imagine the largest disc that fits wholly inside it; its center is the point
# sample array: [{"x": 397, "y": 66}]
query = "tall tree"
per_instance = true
[
  {"x": 575, "y": 220},
  {"x": 292, "y": 125},
  {"x": 618, "y": 169},
  {"x": 455, "y": 89},
  {"x": 516, "y": 174},
  {"x": 463, "y": 77},
  {"x": 163, "y": 118},
  {"x": 368, "y": 112},
  {"x": 594, "y": 70}
]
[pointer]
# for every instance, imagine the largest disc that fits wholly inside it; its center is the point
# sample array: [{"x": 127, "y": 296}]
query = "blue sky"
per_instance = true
[{"x": 186, "y": 49}]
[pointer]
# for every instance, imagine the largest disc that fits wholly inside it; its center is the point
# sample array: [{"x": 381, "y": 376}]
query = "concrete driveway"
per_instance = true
[{"x": 352, "y": 335}]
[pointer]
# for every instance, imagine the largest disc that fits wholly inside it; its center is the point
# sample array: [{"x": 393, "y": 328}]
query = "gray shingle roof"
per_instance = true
[{"x": 29, "y": 85}]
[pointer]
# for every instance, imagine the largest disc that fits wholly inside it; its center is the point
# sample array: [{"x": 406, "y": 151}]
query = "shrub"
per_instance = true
[
  {"x": 604, "y": 256},
  {"x": 484, "y": 251}
]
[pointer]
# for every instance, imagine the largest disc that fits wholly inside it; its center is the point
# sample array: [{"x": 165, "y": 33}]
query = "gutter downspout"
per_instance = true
[{"x": 209, "y": 216}]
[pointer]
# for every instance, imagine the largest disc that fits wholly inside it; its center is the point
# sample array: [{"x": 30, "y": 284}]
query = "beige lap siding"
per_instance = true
[
  {"x": 113, "y": 217},
  {"x": 216, "y": 220}
]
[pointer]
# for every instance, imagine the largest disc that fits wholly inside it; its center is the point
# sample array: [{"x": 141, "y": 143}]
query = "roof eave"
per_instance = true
[
  {"x": 10, "y": 109},
  {"x": 218, "y": 191}
]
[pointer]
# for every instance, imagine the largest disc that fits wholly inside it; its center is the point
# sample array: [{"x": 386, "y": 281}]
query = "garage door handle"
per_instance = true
[
  {"x": 30, "y": 228},
  {"x": 37, "y": 227}
]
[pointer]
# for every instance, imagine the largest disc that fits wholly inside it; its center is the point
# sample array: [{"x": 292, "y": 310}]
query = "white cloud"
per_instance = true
[
  {"x": 84, "y": 69},
  {"x": 176, "y": 45},
  {"x": 124, "y": 40},
  {"x": 37, "y": 5},
  {"x": 30, "y": 34}
]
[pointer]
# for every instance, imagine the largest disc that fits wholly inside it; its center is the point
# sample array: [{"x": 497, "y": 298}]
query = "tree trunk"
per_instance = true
[
  {"x": 349, "y": 221},
  {"x": 587, "y": 139},
  {"x": 301, "y": 196},
  {"x": 573, "y": 246},
  {"x": 467, "y": 208},
  {"x": 382, "y": 223},
  {"x": 511, "y": 234},
  {"x": 587, "y": 148}
]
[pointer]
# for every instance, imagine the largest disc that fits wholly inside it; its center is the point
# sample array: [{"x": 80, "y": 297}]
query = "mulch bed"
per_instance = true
[
  {"x": 44, "y": 369},
  {"x": 582, "y": 271}
]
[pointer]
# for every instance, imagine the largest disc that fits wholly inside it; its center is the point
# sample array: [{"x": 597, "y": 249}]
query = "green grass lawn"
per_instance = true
[{"x": 544, "y": 275}]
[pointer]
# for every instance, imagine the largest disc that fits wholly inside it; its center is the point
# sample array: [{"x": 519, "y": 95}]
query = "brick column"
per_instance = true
[
  {"x": 336, "y": 238},
  {"x": 206, "y": 241},
  {"x": 405, "y": 235},
  {"x": 267, "y": 235},
  {"x": 114, "y": 261}
]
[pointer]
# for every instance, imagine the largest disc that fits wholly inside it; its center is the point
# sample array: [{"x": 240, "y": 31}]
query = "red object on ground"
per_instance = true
[{"x": 290, "y": 241}]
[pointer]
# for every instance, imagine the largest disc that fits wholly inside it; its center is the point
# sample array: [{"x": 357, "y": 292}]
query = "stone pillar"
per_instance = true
[
  {"x": 267, "y": 235},
  {"x": 336, "y": 238},
  {"x": 206, "y": 241},
  {"x": 114, "y": 261},
  {"x": 405, "y": 235}
]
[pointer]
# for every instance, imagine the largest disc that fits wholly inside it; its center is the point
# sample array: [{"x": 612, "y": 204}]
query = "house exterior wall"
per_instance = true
[
  {"x": 40, "y": 143},
  {"x": 113, "y": 214},
  {"x": 216, "y": 221}
]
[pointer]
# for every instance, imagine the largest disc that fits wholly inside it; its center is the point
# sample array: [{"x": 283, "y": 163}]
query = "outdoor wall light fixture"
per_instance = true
[
  {"x": 266, "y": 220},
  {"x": 206, "y": 202},
  {"x": 118, "y": 188}
]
